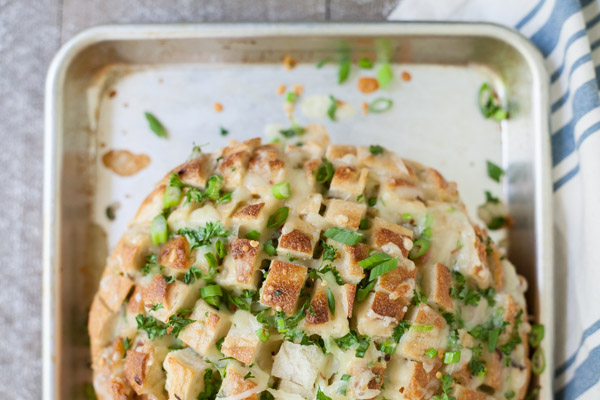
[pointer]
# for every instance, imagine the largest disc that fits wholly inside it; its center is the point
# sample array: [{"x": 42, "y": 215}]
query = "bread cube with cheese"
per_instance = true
[
  {"x": 299, "y": 364},
  {"x": 172, "y": 296},
  {"x": 175, "y": 254},
  {"x": 411, "y": 379},
  {"x": 241, "y": 341},
  {"x": 185, "y": 372},
  {"x": 143, "y": 368},
  {"x": 348, "y": 182},
  {"x": 234, "y": 162},
  {"x": 341, "y": 155},
  {"x": 253, "y": 216},
  {"x": 298, "y": 238},
  {"x": 130, "y": 254},
  {"x": 392, "y": 239},
  {"x": 328, "y": 296},
  {"x": 208, "y": 327},
  {"x": 345, "y": 214},
  {"x": 114, "y": 288},
  {"x": 282, "y": 287},
  {"x": 265, "y": 169},
  {"x": 241, "y": 379},
  {"x": 347, "y": 260},
  {"x": 386, "y": 164},
  {"x": 378, "y": 314},
  {"x": 436, "y": 282},
  {"x": 241, "y": 266},
  {"x": 196, "y": 171},
  {"x": 428, "y": 330}
]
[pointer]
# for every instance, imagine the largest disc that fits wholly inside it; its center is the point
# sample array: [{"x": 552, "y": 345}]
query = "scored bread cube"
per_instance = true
[
  {"x": 114, "y": 288},
  {"x": 392, "y": 239},
  {"x": 367, "y": 373},
  {"x": 208, "y": 327},
  {"x": 130, "y": 254},
  {"x": 345, "y": 214},
  {"x": 240, "y": 379},
  {"x": 196, "y": 171},
  {"x": 101, "y": 323},
  {"x": 348, "y": 182},
  {"x": 411, "y": 379},
  {"x": 347, "y": 260},
  {"x": 282, "y": 287},
  {"x": 172, "y": 296},
  {"x": 175, "y": 254},
  {"x": 436, "y": 282},
  {"x": 234, "y": 162},
  {"x": 288, "y": 390},
  {"x": 404, "y": 188},
  {"x": 151, "y": 206},
  {"x": 241, "y": 265},
  {"x": 143, "y": 368},
  {"x": 319, "y": 319},
  {"x": 185, "y": 374},
  {"x": 299, "y": 364},
  {"x": 298, "y": 238},
  {"x": 241, "y": 341},
  {"x": 428, "y": 330}
]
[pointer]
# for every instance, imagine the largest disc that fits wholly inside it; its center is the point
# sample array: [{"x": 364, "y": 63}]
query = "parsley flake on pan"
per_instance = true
[{"x": 155, "y": 125}]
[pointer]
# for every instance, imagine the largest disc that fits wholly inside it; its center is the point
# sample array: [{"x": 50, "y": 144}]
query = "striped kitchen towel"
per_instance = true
[{"x": 567, "y": 32}]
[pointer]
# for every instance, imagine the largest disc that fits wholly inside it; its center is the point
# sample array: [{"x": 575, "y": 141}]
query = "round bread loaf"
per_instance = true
[{"x": 303, "y": 271}]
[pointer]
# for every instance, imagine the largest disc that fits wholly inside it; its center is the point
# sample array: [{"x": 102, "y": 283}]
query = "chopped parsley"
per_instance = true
[
  {"x": 350, "y": 339},
  {"x": 462, "y": 292},
  {"x": 249, "y": 375},
  {"x": 400, "y": 330},
  {"x": 151, "y": 262},
  {"x": 477, "y": 364},
  {"x": 375, "y": 149},
  {"x": 447, "y": 383},
  {"x": 156, "y": 306},
  {"x": 224, "y": 132},
  {"x": 212, "y": 383},
  {"x": 419, "y": 297},
  {"x": 270, "y": 248},
  {"x": 295, "y": 130},
  {"x": 494, "y": 171},
  {"x": 126, "y": 345},
  {"x": 329, "y": 252},
  {"x": 202, "y": 236}
]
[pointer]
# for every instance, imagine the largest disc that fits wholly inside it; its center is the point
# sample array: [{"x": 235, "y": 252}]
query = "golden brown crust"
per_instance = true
[{"x": 282, "y": 286}]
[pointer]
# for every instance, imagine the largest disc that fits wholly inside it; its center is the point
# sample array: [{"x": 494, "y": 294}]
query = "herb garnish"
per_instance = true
[
  {"x": 202, "y": 236},
  {"x": 494, "y": 171},
  {"x": 333, "y": 106},
  {"x": 375, "y": 149}
]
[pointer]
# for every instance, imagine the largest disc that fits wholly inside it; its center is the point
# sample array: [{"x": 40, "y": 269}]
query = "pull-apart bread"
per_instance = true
[{"x": 307, "y": 270}]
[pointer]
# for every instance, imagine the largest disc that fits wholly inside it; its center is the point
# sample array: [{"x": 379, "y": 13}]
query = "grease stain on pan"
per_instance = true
[{"x": 124, "y": 162}]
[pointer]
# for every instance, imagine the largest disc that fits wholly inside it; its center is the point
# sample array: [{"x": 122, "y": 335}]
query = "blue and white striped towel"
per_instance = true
[{"x": 567, "y": 32}]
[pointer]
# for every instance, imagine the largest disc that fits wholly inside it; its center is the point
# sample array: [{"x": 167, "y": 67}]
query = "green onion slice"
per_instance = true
[
  {"x": 494, "y": 171},
  {"x": 211, "y": 294},
  {"x": 362, "y": 293},
  {"x": 282, "y": 191},
  {"x": 452, "y": 357},
  {"x": 383, "y": 268},
  {"x": 387, "y": 347},
  {"x": 380, "y": 105},
  {"x": 213, "y": 189},
  {"x": 365, "y": 63},
  {"x": 538, "y": 362},
  {"x": 221, "y": 249},
  {"x": 342, "y": 235},
  {"x": 331, "y": 301},
  {"x": 156, "y": 126},
  {"x": 421, "y": 327},
  {"x": 536, "y": 335},
  {"x": 373, "y": 260},
  {"x": 493, "y": 339},
  {"x": 344, "y": 70},
  {"x": 278, "y": 217},
  {"x": 321, "y": 63},
  {"x": 431, "y": 353},
  {"x": 252, "y": 235},
  {"x": 332, "y": 108},
  {"x": 269, "y": 248},
  {"x": 324, "y": 172},
  {"x": 384, "y": 75},
  {"x": 159, "y": 229},
  {"x": 172, "y": 196},
  {"x": 263, "y": 334},
  {"x": 420, "y": 247},
  {"x": 489, "y": 104}
]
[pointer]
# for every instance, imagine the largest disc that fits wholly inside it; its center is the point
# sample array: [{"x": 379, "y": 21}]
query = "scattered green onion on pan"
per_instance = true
[
  {"x": 536, "y": 335},
  {"x": 380, "y": 105},
  {"x": 155, "y": 125},
  {"x": 538, "y": 362}
]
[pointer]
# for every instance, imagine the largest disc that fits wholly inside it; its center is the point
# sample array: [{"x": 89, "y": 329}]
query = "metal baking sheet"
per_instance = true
[{"x": 103, "y": 80}]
